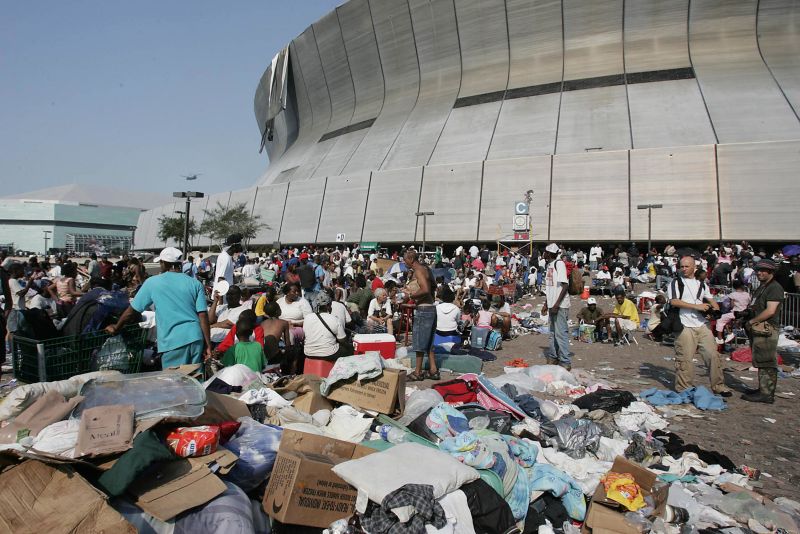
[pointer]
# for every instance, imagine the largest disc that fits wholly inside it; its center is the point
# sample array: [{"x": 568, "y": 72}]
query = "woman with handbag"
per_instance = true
[{"x": 763, "y": 329}]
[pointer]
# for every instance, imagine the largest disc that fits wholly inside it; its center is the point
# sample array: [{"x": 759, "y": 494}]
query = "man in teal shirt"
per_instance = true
[{"x": 181, "y": 312}]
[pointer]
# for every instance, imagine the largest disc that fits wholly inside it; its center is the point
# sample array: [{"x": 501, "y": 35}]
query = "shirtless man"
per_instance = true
[
  {"x": 276, "y": 329},
  {"x": 422, "y": 290}
]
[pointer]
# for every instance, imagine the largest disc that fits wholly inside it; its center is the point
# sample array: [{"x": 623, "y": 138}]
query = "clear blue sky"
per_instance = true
[{"x": 137, "y": 93}]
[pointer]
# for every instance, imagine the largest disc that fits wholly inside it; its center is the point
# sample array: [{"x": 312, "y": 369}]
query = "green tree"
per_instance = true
[
  {"x": 172, "y": 228},
  {"x": 222, "y": 221}
]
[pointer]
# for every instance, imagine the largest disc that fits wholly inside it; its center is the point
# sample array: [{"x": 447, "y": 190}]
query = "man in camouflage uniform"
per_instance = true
[{"x": 766, "y": 307}]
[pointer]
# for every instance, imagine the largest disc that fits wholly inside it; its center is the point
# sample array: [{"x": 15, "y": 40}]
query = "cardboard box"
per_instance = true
[
  {"x": 308, "y": 399},
  {"x": 384, "y": 394},
  {"x": 174, "y": 487},
  {"x": 220, "y": 408},
  {"x": 302, "y": 489},
  {"x": 36, "y": 497},
  {"x": 607, "y": 516}
]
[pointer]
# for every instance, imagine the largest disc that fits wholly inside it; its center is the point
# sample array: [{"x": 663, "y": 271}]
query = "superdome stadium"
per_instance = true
[{"x": 386, "y": 108}]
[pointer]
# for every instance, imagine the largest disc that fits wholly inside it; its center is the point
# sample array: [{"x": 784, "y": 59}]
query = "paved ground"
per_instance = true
[{"x": 741, "y": 432}]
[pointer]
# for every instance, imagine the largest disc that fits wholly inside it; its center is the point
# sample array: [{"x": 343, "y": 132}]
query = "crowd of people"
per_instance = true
[{"x": 297, "y": 303}]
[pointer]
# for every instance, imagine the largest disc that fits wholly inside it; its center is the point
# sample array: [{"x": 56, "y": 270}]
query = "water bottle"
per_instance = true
[{"x": 391, "y": 433}]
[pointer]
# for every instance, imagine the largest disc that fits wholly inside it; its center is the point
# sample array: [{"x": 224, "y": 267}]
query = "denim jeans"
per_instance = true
[
  {"x": 593, "y": 265},
  {"x": 661, "y": 279},
  {"x": 559, "y": 337}
]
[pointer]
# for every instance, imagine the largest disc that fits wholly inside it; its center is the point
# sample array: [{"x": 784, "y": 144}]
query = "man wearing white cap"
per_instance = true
[
  {"x": 556, "y": 306},
  {"x": 181, "y": 312}
]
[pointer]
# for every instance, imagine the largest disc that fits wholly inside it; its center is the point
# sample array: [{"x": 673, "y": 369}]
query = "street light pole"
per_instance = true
[
  {"x": 181, "y": 213},
  {"x": 424, "y": 215},
  {"x": 46, "y": 239},
  {"x": 649, "y": 208},
  {"x": 188, "y": 195}
]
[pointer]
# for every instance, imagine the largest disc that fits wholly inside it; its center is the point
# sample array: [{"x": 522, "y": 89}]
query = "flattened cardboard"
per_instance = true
[
  {"x": 105, "y": 430},
  {"x": 36, "y": 498},
  {"x": 48, "y": 409},
  {"x": 605, "y": 515},
  {"x": 302, "y": 488},
  {"x": 174, "y": 487},
  {"x": 384, "y": 394}
]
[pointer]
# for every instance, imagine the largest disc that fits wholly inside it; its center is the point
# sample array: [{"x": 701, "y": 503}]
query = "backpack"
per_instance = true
[
  {"x": 575, "y": 282},
  {"x": 494, "y": 341},
  {"x": 670, "y": 315},
  {"x": 457, "y": 391}
]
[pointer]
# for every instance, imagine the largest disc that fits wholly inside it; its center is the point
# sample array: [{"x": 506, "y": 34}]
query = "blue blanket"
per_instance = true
[{"x": 700, "y": 396}]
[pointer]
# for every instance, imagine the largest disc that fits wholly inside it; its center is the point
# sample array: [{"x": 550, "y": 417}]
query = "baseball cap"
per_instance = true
[
  {"x": 552, "y": 248},
  {"x": 591, "y": 300},
  {"x": 619, "y": 290},
  {"x": 170, "y": 255},
  {"x": 766, "y": 265},
  {"x": 304, "y": 256}
]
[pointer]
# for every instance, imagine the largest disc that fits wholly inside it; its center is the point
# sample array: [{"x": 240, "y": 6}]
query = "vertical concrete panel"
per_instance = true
[
  {"x": 684, "y": 180},
  {"x": 301, "y": 216},
  {"x": 392, "y": 203},
  {"x": 579, "y": 180},
  {"x": 436, "y": 38},
  {"x": 758, "y": 190},
  {"x": 395, "y": 38},
  {"x": 505, "y": 182},
  {"x": 343, "y": 207},
  {"x": 743, "y": 100},
  {"x": 453, "y": 193},
  {"x": 269, "y": 205}
]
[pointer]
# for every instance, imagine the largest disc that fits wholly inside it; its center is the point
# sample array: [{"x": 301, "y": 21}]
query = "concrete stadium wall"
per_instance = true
[{"x": 460, "y": 106}]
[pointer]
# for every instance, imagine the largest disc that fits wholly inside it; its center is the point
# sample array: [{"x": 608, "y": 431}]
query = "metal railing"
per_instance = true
[{"x": 790, "y": 311}]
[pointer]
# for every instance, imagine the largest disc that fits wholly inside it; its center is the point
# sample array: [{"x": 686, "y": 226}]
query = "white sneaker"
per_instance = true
[
  {"x": 730, "y": 337},
  {"x": 719, "y": 341}
]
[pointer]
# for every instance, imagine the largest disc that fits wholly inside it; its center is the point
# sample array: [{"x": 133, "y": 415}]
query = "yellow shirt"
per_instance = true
[
  {"x": 260, "y": 304},
  {"x": 627, "y": 308}
]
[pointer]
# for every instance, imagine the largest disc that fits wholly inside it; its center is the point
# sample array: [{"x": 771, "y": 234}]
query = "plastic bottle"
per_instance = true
[{"x": 390, "y": 433}]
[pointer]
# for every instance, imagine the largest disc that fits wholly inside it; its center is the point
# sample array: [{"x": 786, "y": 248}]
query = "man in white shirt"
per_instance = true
[
  {"x": 694, "y": 299},
  {"x": 595, "y": 255},
  {"x": 18, "y": 285},
  {"x": 250, "y": 269},
  {"x": 557, "y": 308},
  {"x": 474, "y": 251},
  {"x": 223, "y": 317},
  {"x": 224, "y": 267}
]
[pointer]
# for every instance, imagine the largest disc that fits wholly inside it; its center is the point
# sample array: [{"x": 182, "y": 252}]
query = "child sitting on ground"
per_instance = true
[{"x": 245, "y": 352}]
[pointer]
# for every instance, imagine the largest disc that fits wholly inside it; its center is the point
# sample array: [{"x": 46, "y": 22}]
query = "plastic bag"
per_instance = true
[
  {"x": 551, "y": 373},
  {"x": 574, "y": 437},
  {"x": 611, "y": 401},
  {"x": 523, "y": 382},
  {"x": 153, "y": 395},
  {"x": 114, "y": 354},
  {"x": 418, "y": 403},
  {"x": 191, "y": 441},
  {"x": 256, "y": 445},
  {"x": 622, "y": 488},
  {"x": 235, "y": 375}
]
